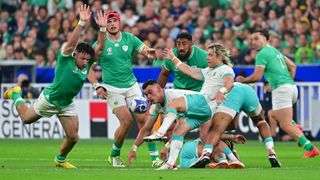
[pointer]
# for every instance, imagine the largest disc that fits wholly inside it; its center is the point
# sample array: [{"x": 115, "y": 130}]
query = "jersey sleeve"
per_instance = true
[
  {"x": 228, "y": 72},
  {"x": 168, "y": 65},
  {"x": 261, "y": 59},
  {"x": 154, "y": 111},
  {"x": 137, "y": 44}
]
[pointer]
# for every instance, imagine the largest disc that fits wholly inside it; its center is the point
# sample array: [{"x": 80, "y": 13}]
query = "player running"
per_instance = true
[{"x": 279, "y": 72}]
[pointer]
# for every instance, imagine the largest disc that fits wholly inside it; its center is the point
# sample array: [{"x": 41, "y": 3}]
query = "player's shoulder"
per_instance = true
[
  {"x": 200, "y": 50},
  {"x": 127, "y": 35}
]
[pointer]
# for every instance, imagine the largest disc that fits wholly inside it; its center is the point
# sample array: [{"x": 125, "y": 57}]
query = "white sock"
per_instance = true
[
  {"x": 227, "y": 151},
  {"x": 268, "y": 143},
  {"x": 167, "y": 121},
  {"x": 175, "y": 147}
]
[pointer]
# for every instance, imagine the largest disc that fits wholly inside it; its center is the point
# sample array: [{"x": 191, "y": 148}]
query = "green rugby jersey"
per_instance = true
[
  {"x": 116, "y": 60},
  {"x": 197, "y": 58},
  {"x": 67, "y": 83},
  {"x": 276, "y": 70}
]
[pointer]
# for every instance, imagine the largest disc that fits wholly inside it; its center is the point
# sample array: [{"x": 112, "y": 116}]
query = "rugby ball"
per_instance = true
[{"x": 138, "y": 105}]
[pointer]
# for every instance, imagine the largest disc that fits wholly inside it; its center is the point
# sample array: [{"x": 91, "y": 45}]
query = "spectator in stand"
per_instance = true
[
  {"x": 304, "y": 54},
  {"x": 39, "y": 57},
  {"x": 51, "y": 58}
]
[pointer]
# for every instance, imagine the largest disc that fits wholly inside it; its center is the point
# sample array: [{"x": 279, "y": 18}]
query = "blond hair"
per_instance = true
[{"x": 222, "y": 52}]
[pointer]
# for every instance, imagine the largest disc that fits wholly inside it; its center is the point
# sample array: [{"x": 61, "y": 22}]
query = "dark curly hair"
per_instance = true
[{"x": 85, "y": 48}]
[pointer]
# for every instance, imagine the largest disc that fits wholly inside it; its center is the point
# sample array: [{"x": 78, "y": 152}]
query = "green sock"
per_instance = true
[
  {"x": 153, "y": 151},
  {"x": 17, "y": 99},
  {"x": 60, "y": 158},
  {"x": 293, "y": 122},
  {"x": 116, "y": 148},
  {"x": 305, "y": 143}
]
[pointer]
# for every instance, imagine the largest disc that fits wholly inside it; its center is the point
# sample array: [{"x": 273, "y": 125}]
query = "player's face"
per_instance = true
[
  {"x": 82, "y": 59},
  {"x": 258, "y": 41},
  {"x": 213, "y": 59},
  {"x": 154, "y": 93},
  {"x": 113, "y": 26},
  {"x": 184, "y": 47}
]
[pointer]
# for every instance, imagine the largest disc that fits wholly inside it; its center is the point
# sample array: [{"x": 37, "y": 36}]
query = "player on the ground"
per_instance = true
[
  {"x": 279, "y": 72},
  {"x": 71, "y": 72},
  {"x": 119, "y": 83},
  {"x": 199, "y": 111},
  {"x": 218, "y": 80},
  {"x": 192, "y": 150}
]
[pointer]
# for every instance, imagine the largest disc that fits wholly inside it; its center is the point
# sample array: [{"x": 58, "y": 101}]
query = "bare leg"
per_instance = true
[{"x": 70, "y": 125}]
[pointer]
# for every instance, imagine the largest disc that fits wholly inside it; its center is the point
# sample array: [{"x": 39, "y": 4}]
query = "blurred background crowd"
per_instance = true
[{"x": 36, "y": 29}]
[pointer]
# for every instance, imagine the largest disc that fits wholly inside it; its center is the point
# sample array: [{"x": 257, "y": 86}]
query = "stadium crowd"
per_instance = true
[{"x": 35, "y": 29}]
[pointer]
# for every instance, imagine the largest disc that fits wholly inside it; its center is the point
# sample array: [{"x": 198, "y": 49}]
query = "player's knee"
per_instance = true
[
  {"x": 73, "y": 138},
  {"x": 125, "y": 123}
]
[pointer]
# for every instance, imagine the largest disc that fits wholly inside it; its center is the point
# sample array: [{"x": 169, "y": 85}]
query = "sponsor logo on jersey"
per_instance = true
[{"x": 109, "y": 51}]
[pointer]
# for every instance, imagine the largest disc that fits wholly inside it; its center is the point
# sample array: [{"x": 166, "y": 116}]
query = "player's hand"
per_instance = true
[
  {"x": 240, "y": 78},
  {"x": 219, "y": 97},
  {"x": 101, "y": 19},
  {"x": 239, "y": 139},
  {"x": 164, "y": 153},
  {"x": 102, "y": 93},
  {"x": 168, "y": 54},
  {"x": 132, "y": 155},
  {"x": 152, "y": 53},
  {"x": 84, "y": 12}
]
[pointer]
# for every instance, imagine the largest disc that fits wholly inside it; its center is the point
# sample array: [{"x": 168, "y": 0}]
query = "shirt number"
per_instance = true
[{"x": 282, "y": 61}]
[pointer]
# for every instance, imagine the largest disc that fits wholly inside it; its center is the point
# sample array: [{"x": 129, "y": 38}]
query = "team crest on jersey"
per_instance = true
[
  {"x": 214, "y": 74},
  {"x": 125, "y": 48}
]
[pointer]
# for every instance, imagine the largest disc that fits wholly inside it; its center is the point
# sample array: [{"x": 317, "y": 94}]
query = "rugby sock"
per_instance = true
[
  {"x": 175, "y": 146},
  {"x": 153, "y": 151},
  {"x": 268, "y": 142},
  {"x": 305, "y": 143},
  {"x": 170, "y": 116},
  {"x": 227, "y": 151},
  {"x": 207, "y": 148},
  {"x": 116, "y": 148},
  {"x": 60, "y": 159},
  {"x": 17, "y": 99}
]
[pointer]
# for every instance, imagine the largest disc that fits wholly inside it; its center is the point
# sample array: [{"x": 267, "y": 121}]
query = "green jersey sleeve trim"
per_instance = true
[
  {"x": 227, "y": 74},
  {"x": 140, "y": 48}
]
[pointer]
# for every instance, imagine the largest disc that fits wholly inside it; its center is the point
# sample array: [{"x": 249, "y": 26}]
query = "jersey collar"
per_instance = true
[
  {"x": 115, "y": 41},
  {"x": 191, "y": 54}
]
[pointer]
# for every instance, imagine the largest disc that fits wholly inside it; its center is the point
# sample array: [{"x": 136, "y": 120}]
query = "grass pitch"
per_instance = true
[{"x": 33, "y": 159}]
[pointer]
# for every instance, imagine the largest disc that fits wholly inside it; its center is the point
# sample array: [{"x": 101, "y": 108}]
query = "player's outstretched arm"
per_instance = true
[
  {"x": 195, "y": 73},
  {"x": 101, "y": 20},
  {"x": 254, "y": 77},
  {"x": 292, "y": 67},
  {"x": 163, "y": 77},
  {"x": 144, "y": 131},
  {"x": 84, "y": 13}
]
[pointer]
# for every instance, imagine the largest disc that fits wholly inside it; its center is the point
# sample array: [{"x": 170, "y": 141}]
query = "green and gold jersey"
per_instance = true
[
  {"x": 197, "y": 58},
  {"x": 67, "y": 82},
  {"x": 116, "y": 60},
  {"x": 276, "y": 70}
]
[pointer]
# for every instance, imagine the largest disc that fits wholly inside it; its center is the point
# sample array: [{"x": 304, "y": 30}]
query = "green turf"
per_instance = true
[{"x": 33, "y": 159}]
